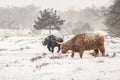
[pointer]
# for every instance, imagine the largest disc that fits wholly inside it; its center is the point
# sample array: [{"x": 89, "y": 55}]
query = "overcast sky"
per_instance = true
[{"x": 57, "y": 4}]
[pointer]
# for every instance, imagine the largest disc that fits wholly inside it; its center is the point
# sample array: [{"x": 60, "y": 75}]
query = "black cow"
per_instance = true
[{"x": 52, "y": 41}]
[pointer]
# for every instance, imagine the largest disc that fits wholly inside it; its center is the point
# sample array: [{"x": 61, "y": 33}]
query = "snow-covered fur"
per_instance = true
[{"x": 84, "y": 41}]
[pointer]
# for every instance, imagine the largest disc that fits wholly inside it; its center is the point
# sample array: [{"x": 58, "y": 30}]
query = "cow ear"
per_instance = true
[{"x": 47, "y": 38}]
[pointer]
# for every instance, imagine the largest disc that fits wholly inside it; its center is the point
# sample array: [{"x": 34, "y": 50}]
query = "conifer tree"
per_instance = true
[{"x": 48, "y": 20}]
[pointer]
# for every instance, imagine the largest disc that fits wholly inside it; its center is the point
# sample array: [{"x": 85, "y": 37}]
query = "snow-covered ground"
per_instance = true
[{"x": 25, "y": 58}]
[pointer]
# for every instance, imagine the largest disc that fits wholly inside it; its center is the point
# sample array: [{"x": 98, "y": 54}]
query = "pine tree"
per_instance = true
[{"x": 48, "y": 20}]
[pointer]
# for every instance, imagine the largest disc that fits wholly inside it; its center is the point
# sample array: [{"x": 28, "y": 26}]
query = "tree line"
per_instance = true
[
  {"x": 17, "y": 18},
  {"x": 73, "y": 21},
  {"x": 26, "y": 17}
]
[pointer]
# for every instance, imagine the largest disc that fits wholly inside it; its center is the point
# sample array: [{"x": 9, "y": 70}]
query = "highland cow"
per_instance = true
[
  {"x": 84, "y": 41},
  {"x": 52, "y": 41}
]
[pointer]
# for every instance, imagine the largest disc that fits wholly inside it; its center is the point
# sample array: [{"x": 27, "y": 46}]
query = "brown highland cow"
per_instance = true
[{"x": 84, "y": 41}]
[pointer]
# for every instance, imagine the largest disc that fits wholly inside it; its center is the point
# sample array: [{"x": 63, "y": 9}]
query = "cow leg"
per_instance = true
[
  {"x": 58, "y": 48},
  {"x": 81, "y": 53},
  {"x": 49, "y": 48},
  {"x": 73, "y": 52},
  {"x": 102, "y": 50},
  {"x": 52, "y": 49},
  {"x": 96, "y": 52}
]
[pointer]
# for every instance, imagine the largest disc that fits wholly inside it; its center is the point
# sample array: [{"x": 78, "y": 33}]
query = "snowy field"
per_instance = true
[{"x": 23, "y": 57}]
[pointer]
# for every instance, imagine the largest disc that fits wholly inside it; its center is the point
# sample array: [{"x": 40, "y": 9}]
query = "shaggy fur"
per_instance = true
[
  {"x": 52, "y": 41},
  {"x": 84, "y": 41}
]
